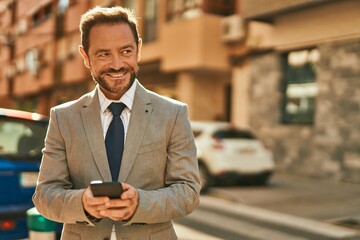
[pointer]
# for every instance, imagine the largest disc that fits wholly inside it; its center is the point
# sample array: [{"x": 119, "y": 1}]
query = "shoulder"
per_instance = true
[
  {"x": 167, "y": 107},
  {"x": 162, "y": 100},
  {"x": 157, "y": 100},
  {"x": 75, "y": 105}
]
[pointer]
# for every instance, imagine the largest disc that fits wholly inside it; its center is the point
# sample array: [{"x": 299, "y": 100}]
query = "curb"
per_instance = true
[{"x": 308, "y": 225}]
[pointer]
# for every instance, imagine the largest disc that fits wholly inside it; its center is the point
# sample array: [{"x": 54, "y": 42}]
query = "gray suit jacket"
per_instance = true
[{"x": 159, "y": 160}]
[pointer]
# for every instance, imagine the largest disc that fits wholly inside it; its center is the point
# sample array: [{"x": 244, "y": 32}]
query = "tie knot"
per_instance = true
[{"x": 116, "y": 108}]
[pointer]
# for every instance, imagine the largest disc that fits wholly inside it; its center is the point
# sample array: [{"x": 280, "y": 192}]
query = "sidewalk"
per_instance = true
[
  {"x": 327, "y": 230},
  {"x": 315, "y": 199}
]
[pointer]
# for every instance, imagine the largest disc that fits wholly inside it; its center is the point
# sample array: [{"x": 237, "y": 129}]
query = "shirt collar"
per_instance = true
[{"x": 127, "y": 98}]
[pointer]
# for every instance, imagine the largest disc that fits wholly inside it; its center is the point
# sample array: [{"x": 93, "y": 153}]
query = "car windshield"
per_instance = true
[
  {"x": 233, "y": 134},
  {"x": 21, "y": 139}
]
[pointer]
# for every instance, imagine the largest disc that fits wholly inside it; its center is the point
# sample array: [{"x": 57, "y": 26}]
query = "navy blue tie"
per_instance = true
[{"x": 114, "y": 140}]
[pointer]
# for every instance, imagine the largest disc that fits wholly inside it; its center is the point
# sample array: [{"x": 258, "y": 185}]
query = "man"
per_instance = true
[{"x": 158, "y": 167}]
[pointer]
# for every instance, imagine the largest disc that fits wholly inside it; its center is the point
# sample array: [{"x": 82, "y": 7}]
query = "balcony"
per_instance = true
[
  {"x": 267, "y": 9},
  {"x": 193, "y": 44},
  {"x": 36, "y": 36},
  {"x": 26, "y": 84},
  {"x": 333, "y": 20}
]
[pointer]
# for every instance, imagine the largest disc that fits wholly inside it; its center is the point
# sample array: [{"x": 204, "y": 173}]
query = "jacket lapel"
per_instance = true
[
  {"x": 140, "y": 115},
  {"x": 90, "y": 114}
]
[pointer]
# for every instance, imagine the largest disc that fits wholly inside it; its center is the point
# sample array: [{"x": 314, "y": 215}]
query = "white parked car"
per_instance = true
[{"x": 229, "y": 155}]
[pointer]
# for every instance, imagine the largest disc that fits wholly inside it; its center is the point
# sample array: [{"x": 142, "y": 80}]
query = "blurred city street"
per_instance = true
[
  {"x": 290, "y": 207},
  {"x": 270, "y": 87}
]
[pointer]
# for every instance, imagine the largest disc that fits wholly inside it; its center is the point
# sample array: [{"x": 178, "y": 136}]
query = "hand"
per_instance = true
[
  {"x": 124, "y": 208},
  {"x": 93, "y": 205}
]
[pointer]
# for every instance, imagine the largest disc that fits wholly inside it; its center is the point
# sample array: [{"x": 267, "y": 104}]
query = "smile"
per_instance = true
[{"x": 117, "y": 74}]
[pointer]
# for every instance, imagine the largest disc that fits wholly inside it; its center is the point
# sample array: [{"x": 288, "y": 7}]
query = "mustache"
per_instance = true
[{"x": 121, "y": 70}]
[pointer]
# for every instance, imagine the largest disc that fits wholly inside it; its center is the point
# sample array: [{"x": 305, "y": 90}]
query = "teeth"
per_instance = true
[{"x": 116, "y": 75}]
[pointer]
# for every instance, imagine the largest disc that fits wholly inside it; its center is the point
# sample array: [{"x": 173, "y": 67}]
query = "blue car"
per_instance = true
[{"x": 21, "y": 141}]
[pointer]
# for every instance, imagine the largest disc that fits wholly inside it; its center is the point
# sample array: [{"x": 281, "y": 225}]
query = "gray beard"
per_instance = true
[{"x": 101, "y": 81}]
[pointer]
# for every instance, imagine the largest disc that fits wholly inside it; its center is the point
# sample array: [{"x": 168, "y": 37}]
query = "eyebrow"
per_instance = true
[
  {"x": 102, "y": 50},
  {"x": 128, "y": 46}
]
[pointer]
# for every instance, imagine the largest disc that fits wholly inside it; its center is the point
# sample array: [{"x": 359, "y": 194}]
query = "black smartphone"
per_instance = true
[{"x": 108, "y": 189}]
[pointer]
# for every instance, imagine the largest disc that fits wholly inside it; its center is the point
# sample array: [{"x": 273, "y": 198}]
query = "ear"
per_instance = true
[
  {"x": 139, "y": 50},
  {"x": 84, "y": 56}
]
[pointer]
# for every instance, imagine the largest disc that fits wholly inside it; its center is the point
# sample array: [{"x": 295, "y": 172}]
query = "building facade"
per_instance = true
[
  {"x": 41, "y": 65},
  {"x": 289, "y": 69},
  {"x": 303, "y": 84}
]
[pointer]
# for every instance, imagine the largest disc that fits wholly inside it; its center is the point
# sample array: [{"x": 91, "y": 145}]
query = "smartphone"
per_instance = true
[{"x": 108, "y": 189}]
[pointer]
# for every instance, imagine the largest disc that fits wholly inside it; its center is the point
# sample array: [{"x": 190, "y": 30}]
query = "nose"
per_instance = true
[{"x": 116, "y": 62}]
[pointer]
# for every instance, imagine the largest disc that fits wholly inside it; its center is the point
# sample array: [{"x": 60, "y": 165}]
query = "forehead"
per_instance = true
[{"x": 110, "y": 35}]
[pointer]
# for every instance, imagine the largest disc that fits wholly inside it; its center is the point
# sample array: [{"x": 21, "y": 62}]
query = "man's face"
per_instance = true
[{"x": 113, "y": 58}]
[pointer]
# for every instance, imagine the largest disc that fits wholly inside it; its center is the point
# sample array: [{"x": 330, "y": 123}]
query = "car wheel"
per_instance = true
[
  {"x": 205, "y": 177},
  {"x": 263, "y": 179}
]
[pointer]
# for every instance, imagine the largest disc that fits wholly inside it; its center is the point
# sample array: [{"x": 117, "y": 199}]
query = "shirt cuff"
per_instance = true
[{"x": 92, "y": 218}]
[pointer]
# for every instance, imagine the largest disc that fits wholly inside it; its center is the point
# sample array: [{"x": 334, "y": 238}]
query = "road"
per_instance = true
[
  {"x": 300, "y": 196},
  {"x": 290, "y": 208}
]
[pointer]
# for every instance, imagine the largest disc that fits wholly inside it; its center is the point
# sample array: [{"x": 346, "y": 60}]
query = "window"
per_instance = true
[
  {"x": 150, "y": 21},
  {"x": 36, "y": 18},
  {"x": 300, "y": 89},
  {"x": 21, "y": 138},
  {"x": 32, "y": 62},
  {"x": 47, "y": 11},
  {"x": 177, "y": 9},
  {"x": 41, "y": 15}
]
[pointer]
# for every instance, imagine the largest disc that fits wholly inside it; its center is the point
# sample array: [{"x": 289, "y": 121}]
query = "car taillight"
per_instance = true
[
  {"x": 217, "y": 144},
  {"x": 7, "y": 225}
]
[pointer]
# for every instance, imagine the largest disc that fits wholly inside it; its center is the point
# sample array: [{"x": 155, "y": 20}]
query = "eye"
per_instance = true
[
  {"x": 103, "y": 55},
  {"x": 127, "y": 52}
]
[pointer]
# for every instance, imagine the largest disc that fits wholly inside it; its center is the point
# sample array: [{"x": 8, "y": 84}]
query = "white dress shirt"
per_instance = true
[
  {"x": 106, "y": 117},
  {"x": 105, "y": 114}
]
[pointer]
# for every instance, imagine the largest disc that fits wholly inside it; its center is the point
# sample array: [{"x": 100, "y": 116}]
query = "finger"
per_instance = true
[
  {"x": 96, "y": 214},
  {"x": 129, "y": 191},
  {"x": 100, "y": 207},
  {"x": 93, "y": 205},
  {"x": 123, "y": 210},
  {"x": 117, "y": 203},
  {"x": 91, "y": 200},
  {"x": 116, "y": 214}
]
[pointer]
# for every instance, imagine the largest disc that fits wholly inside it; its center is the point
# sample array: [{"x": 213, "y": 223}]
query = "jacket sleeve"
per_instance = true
[{"x": 54, "y": 197}]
